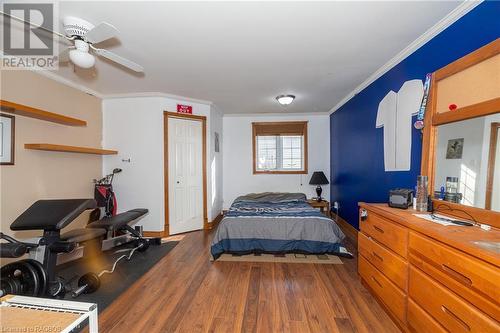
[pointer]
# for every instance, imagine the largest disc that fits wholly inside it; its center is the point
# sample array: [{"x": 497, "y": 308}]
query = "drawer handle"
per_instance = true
[
  {"x": 454, "y": 316},
  {"x": 456, "y": 274},
  {"x": 376, "y": 281},
  {"x": 378, "y": 256},
  {"x": 378, "y": 229}
]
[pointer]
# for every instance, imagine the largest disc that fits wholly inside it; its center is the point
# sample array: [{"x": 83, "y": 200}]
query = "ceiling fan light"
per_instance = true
[
  {"x": 285, "y": 99},
  {"x": 82, "y": 59}
]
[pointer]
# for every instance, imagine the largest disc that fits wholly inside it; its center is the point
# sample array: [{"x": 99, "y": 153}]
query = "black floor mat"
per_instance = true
[{"x": 112, "y": 285}]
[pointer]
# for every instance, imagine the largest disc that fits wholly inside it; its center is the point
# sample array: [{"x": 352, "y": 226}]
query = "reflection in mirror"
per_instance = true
[{"x": 467, "y": 165}]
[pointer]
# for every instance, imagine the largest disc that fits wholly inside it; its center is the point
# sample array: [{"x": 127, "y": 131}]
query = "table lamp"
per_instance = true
[{"x": 318, "y": 178}]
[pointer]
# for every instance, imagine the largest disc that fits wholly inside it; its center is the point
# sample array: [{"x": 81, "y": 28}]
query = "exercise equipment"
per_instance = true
[
  {"x": 104, "y": 196},
  {"x": 36, "y": 276},
  {"x": 24, "y": 277},
  {"x": 19, "y": 278},
  {"x": 117, "y": 228},
  {"x": 87, "y": 284},
  {"x": 90, "y": 282}
]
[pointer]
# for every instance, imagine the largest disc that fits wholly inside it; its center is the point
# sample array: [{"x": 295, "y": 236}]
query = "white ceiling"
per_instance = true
[{"x": 240, "y": 55}]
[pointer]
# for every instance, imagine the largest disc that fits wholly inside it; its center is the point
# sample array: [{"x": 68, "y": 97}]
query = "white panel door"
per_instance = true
[{"x": 185, "y": 179}]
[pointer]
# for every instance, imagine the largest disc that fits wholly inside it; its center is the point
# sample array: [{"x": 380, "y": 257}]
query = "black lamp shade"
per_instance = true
[{"x": 318, "y": 178}]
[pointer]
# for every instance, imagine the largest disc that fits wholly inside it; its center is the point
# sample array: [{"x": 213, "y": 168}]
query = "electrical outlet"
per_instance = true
[{"x": 336, "y": 205}]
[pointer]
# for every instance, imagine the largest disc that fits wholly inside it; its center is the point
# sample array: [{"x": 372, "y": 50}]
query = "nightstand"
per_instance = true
[{"x": 324, "y": 205}]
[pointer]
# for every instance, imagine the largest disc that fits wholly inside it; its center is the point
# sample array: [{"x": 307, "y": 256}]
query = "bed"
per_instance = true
[{"x": 276, "y": 223}]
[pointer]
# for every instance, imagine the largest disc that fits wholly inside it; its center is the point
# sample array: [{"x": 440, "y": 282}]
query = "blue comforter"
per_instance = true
[
  {"x": 276, "y": 223},
  {"x": 273, "y": 209}
]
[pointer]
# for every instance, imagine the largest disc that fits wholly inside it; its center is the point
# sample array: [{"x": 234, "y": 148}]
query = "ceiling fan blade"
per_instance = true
[
  {"x": 118, "y": 59},
  {"x": 101, "y": 32}
]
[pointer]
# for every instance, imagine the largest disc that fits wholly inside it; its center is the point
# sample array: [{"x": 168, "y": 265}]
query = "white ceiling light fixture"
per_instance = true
[
  {"x": 285, "y": 99},
  {"x": 80, "y": 56}
]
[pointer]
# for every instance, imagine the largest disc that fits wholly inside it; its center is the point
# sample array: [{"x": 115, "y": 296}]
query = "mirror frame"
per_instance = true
[
  {"x": 492, "y": 158},
  {"x": 433, "y": 119}
]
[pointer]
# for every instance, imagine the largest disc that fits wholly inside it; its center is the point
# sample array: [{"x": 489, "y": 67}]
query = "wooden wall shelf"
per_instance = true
[
  {"x": 69, "y": 149},
  {"x": 28, "y": 111}
]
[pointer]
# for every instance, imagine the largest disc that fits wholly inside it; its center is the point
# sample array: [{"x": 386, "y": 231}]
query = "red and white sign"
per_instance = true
[{"x": 184, "y": 109}]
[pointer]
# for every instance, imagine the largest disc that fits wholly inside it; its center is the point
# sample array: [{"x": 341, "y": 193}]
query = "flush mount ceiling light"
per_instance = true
[{"x": 285, "y": 99}]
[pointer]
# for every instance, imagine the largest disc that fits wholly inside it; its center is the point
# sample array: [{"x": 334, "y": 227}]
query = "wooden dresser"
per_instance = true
[{"x": 429, "y": 277}]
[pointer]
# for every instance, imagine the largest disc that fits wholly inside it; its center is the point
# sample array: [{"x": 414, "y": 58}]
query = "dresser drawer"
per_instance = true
[
  {"x": 387, "y": 233},
  {"x": 391, "y": 265},
  {"x": 420, "y": 321},
  {"x": 469, "y": 277},
  {"x": 446, "y": 308},
  {"x": 385, "y": 290}
]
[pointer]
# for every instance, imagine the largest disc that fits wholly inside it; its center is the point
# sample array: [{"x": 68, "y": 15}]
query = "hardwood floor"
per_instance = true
[{"x": 185, "y": 292}]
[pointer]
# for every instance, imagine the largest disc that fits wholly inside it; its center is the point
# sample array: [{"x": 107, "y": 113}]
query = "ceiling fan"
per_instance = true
[{"x": 84, "y": 35}]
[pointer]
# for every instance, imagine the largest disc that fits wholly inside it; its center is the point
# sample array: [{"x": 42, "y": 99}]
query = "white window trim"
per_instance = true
[{"x": 279, "y": 155}]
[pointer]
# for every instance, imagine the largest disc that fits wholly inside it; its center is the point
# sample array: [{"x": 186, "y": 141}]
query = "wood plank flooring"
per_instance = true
[{"x": 185, "y": 292}]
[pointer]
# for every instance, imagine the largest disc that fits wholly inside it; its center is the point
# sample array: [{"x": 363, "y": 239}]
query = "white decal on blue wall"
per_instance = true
[{"x": 394, "y": 114}]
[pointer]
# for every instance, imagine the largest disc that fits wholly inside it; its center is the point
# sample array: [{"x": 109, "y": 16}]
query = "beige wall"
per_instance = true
[{"x": 41, "y": 174}]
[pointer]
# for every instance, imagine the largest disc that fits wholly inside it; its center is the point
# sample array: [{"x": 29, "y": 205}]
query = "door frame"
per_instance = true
[
  {"x": 203, "y": 119},
  {"x": 491, "y": 163}
]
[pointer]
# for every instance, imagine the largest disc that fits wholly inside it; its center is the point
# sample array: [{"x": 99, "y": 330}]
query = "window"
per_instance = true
[
  {"x": 280, "y": 147},
  {"x": 467, "y": 185}
]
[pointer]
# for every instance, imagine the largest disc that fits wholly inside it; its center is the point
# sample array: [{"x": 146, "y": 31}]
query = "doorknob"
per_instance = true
[{"x": 178, "y": 182}]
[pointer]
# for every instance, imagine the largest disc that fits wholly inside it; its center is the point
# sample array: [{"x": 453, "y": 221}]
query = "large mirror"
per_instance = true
[{"x": 467, "y": 162}]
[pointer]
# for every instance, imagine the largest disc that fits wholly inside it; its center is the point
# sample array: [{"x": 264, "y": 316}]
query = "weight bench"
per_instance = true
[
  {"x": 82, "y": 235},
  {"x": 111, "y": 227},
  {"x": 52, "y": 216},
  {"x": 118, "y": 228}
]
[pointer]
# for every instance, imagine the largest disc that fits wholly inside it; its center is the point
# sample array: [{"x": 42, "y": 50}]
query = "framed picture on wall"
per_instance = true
[
  {"x": 7, "y": 137},
  {"x": 217, "y": 143},
  {"x": 455, "y": 149}
]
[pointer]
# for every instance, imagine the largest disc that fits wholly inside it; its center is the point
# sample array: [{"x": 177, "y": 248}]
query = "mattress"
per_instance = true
[{"x": 276, "y": 223}]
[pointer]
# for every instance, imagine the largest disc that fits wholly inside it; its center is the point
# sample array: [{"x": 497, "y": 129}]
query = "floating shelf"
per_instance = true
[
  {"x": 69, "y": 149},
  {"x": 28, "y": 111}
]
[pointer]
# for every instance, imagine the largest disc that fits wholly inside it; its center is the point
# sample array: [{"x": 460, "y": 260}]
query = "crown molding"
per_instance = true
[
  {"x": 89, "y": 91},
  {"x": 432, "y": 32}
]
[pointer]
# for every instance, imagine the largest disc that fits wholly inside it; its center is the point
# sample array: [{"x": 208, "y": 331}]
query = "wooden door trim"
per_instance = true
[
  {"x": 491, "y": 164},
  {"x": 184, "y": 116},
  {"x": 203, "y": 119}
]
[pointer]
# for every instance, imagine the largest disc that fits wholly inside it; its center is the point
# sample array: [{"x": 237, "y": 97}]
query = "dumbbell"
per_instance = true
[
  {"x": 142, "y": 244},
  {"x": 87, "y": 284}
]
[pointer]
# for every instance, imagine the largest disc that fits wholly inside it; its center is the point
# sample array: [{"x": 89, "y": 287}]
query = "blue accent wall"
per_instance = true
[{"x": 357, "y": 150}]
